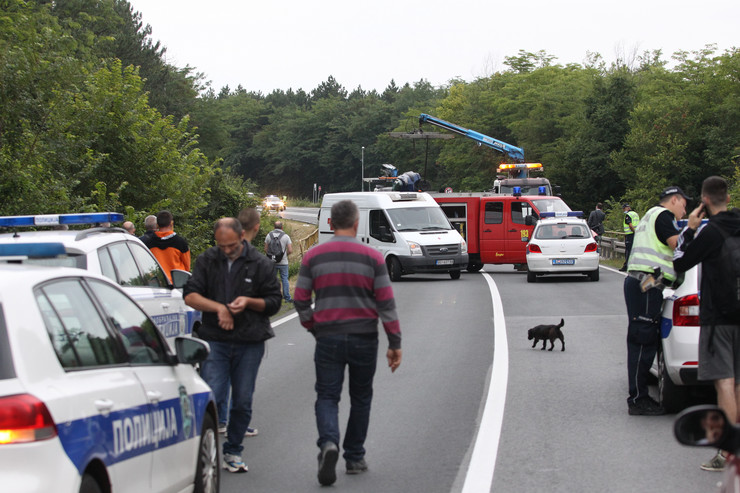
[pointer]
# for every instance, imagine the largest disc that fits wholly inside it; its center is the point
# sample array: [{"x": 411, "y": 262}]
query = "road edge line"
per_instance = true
[{"x": 479, "y": 477}]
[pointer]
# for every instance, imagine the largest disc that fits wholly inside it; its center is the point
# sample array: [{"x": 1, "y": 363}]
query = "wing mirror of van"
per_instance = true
[
  {"x": 530, "y": 220},
  {"x": 386, "y": 235},
  {"x": 705, "y": 426}
]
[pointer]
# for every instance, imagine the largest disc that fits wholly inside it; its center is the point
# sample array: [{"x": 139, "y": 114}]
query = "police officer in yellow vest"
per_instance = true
[
  {"x": 629, "y": 224},
  {"x": 649, "y": 270}
]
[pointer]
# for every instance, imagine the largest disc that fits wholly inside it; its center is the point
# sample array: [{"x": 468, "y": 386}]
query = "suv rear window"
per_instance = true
[{"x": 71, "y": 260}]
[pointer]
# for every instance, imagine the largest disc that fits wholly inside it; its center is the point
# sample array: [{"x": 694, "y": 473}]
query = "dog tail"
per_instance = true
[{"x": 562, "y": 322}]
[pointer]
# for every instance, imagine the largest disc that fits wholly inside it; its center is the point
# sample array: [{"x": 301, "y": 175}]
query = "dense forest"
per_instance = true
[{"x": 92, "y": 117}]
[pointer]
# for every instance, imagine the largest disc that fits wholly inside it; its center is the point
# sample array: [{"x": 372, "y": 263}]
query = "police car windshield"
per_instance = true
[{"x": 419, "y": 219}]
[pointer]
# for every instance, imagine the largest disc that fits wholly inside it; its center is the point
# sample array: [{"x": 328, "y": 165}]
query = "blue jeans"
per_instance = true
[
  {"x": 333, "y": 353},
  {"x": 643, "y": 335},
  {"x": 239, "y": 364},
  {"x": 283, "y": 270}
]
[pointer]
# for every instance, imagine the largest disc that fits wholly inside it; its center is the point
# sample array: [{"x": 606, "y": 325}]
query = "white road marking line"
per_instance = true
[{"x": 483, "y": 459}]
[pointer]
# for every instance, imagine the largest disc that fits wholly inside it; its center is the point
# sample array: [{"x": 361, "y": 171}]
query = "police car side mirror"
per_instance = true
[
  {"x": 705, "y": 426},
  {"x": 191, "y": 351},
  {"x": 179, "y": 278}
]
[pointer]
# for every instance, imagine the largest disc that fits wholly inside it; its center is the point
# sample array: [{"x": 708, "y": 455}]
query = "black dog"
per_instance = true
[{"x": 547, "y": 333}]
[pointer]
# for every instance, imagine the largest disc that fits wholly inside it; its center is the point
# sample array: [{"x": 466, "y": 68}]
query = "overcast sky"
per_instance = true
[{"x": 266, "y": 45}]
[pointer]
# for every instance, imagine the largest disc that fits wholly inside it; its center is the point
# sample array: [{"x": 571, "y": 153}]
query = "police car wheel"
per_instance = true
[
  {"x": 89, "y": 484},
  {"x": 207, "y": 470},
  {"x": 531, "y": 276}
]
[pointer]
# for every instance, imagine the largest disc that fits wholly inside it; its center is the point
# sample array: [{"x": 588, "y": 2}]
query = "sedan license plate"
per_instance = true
[
  {"x": 563, "y": 261},
  {"x": 445, "y": 262}
]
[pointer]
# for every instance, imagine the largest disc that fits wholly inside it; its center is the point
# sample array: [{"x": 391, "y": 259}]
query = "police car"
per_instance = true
[
  {"x": 92, "y": 399},
  {"x": 115, "y": 254},
  {"x": 562, "y": 243}
]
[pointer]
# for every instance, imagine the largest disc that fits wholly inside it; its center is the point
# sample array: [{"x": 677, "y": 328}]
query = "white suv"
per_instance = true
[
  {"x": 91, "y": 397},
  {"x": 115, "y": 254}
]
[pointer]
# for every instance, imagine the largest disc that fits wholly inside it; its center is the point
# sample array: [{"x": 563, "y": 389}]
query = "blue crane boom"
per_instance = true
[{"x": 515, "y": 153}]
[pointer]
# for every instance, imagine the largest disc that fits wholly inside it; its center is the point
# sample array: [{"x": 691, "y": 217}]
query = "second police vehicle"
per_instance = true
[
  {"x": 114, "y": 253},
  {"x": 92, "y": 398}
]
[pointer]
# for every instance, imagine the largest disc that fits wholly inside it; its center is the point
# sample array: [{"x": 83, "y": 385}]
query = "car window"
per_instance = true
[
  {"x": 77, "y": 332},
  {"x": 70, "y": 260},
  {"x": 494, "y": 213},
  {"x": 6, "y": 357},
  {"x": 520, "y": 210},
  {"x": 141, "y": 338},
  {"x": 123, "y": 261},
  {"x": 106, "y": 265},
  {"x": 380, "y": 228},
  {"x": 151, "y": 271}
]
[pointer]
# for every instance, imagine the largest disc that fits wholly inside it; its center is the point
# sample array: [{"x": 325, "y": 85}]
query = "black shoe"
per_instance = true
[
  {"x": 356, "y": 467},
  {"x": 623, "y": 268},
  {"x": 327, "y": 463},
  {"x": 646, "y": 407}
]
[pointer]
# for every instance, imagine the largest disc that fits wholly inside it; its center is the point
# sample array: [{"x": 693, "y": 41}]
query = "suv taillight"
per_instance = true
[
  {"x": 24, "y": 418},
  {"x": 532, "y": 248},
  {"x": 686, "y": 311},
  {"x": 591, "y": 247}
]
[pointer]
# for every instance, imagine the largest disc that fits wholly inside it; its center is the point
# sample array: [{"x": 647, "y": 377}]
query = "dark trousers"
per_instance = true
[
  {"x": 628, "y": 241},
  {"x": 358, "y": 353},
  {"x": 643, "y": 335}
]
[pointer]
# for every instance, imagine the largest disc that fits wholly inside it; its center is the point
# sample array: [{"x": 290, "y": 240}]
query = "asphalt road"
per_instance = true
[{"x": 561, "y": 424}]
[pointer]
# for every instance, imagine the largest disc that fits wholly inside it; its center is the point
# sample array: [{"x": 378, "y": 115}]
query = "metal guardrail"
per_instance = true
[{"x": 612, "y": 247}]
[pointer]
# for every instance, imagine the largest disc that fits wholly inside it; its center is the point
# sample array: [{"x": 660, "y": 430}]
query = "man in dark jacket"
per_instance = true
[
  {"x": 596, "y": 222},
  {"x": 234, "y": 286},
  {"x": 719, "y": 335}
]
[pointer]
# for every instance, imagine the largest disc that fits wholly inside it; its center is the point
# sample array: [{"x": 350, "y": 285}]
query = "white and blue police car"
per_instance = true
[
  {"x": 92, "y": 398},
  {"x": 114, "y": 253}
]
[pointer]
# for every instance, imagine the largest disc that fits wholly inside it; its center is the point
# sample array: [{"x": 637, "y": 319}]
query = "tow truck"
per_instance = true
[{"x": 517, "y": 172}]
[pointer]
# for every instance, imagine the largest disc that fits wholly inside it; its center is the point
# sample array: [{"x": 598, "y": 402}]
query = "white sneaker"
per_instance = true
[
  {"x": 234, "y": 463},
  {"x": 251, "y": 432}
]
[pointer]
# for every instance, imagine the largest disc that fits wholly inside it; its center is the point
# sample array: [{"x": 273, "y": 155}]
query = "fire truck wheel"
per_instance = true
[
  {"x": 394, "y": 269},
  {"x": 455, "y": 274},
  {"x": 474, "y": 266},
  {"x": 531, "y": 276}
]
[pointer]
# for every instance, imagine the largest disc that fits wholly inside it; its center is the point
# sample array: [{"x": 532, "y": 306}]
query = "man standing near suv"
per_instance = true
[
  {"x": 170, "y": 249},
  {"x": 719, "y": 335},
  {"x": 649, "y": 270}
]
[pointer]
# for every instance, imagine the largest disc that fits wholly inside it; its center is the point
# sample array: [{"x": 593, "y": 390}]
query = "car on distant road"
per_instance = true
[
  {"x": 273, "y": 202},
  {"x": 116, "y": 254},
  {"x": 562, "y": 243},
  {"x": 92, "y": 399}
]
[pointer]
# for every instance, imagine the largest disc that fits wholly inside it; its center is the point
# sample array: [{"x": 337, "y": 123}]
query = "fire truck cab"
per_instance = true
[{"x": 496, "y": 227}]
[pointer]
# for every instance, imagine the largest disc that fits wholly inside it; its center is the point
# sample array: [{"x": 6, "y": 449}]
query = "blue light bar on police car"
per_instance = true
[
  {"x": 32, "y": 250},
  {"x": 543, "y": 215},
  {"x": 56, "y": 219}
]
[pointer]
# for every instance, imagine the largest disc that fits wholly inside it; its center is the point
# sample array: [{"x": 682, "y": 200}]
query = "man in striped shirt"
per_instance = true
[{"x": 352, "y": 291}]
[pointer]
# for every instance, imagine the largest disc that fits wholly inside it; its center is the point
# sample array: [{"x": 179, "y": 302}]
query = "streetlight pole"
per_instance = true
[{"x": 362, "y": 182}]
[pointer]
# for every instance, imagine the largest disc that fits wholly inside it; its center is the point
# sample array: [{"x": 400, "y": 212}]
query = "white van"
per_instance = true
[{"x": 408, "y": 228}]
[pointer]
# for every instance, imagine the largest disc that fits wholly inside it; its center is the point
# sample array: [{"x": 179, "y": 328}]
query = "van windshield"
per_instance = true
[
  {"x": 550, "y": 205},
  {"x": 419, "y": 219}
]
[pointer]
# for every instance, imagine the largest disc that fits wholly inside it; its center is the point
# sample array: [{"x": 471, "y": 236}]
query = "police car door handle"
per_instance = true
[
  {"x": 154, "y": 396},
  {"x": 104, "y": 406}
]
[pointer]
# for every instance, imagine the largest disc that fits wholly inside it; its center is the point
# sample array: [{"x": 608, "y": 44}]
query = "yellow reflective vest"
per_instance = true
[
  {"x": 635, "y": 221},
  {"x": 648, "y": 252}
]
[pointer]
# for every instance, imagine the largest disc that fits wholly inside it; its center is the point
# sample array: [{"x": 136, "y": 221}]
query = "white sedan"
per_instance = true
[
  {"x": 562, "y": 243},
  {"x": 92, "y": 398}
]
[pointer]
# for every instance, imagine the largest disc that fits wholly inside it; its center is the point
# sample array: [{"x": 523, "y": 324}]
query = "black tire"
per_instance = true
[
  {"x": 474, "y": 266},
  {"x": 671, "y": 396},
  {"x": 594, "y": 275},
  {"x": 455, "y": 274},
  {"x": 207, "y": 467},
  {"x": 531, "y": 276},
  {"x": 89, "y": 484},
  {"x": 394, "y": 269}
]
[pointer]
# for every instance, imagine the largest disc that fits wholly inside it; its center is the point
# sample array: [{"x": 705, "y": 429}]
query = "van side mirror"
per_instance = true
[
  {"x": 704, "y": 426},
  {"x": 385, "y": 234},
  {"x": 530, "y": 220}
]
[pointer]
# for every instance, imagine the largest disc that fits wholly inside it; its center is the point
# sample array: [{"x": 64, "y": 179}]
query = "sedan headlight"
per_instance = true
[{"x": 415, "y": 248}]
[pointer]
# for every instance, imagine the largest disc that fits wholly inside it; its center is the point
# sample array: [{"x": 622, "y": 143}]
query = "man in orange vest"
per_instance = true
[{"x": 170, "y": 249}]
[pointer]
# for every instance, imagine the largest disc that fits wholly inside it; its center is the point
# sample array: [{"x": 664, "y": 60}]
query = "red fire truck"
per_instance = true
[{"x": 496, "y": 227}]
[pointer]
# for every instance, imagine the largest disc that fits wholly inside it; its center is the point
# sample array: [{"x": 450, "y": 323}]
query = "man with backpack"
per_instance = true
[
  {"x": 277, "y": 248},
  {"x": 716, "y": 245}
]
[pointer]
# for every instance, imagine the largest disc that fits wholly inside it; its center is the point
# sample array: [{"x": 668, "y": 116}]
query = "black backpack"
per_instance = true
[
  {"x": 275, "y": 247},
  {"x": 726, "y": 299}
]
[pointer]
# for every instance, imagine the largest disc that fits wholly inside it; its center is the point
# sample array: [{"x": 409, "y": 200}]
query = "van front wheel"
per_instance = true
[
  {"x": 455, "y": 274},
  {"x": 394, "y": 269}
]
